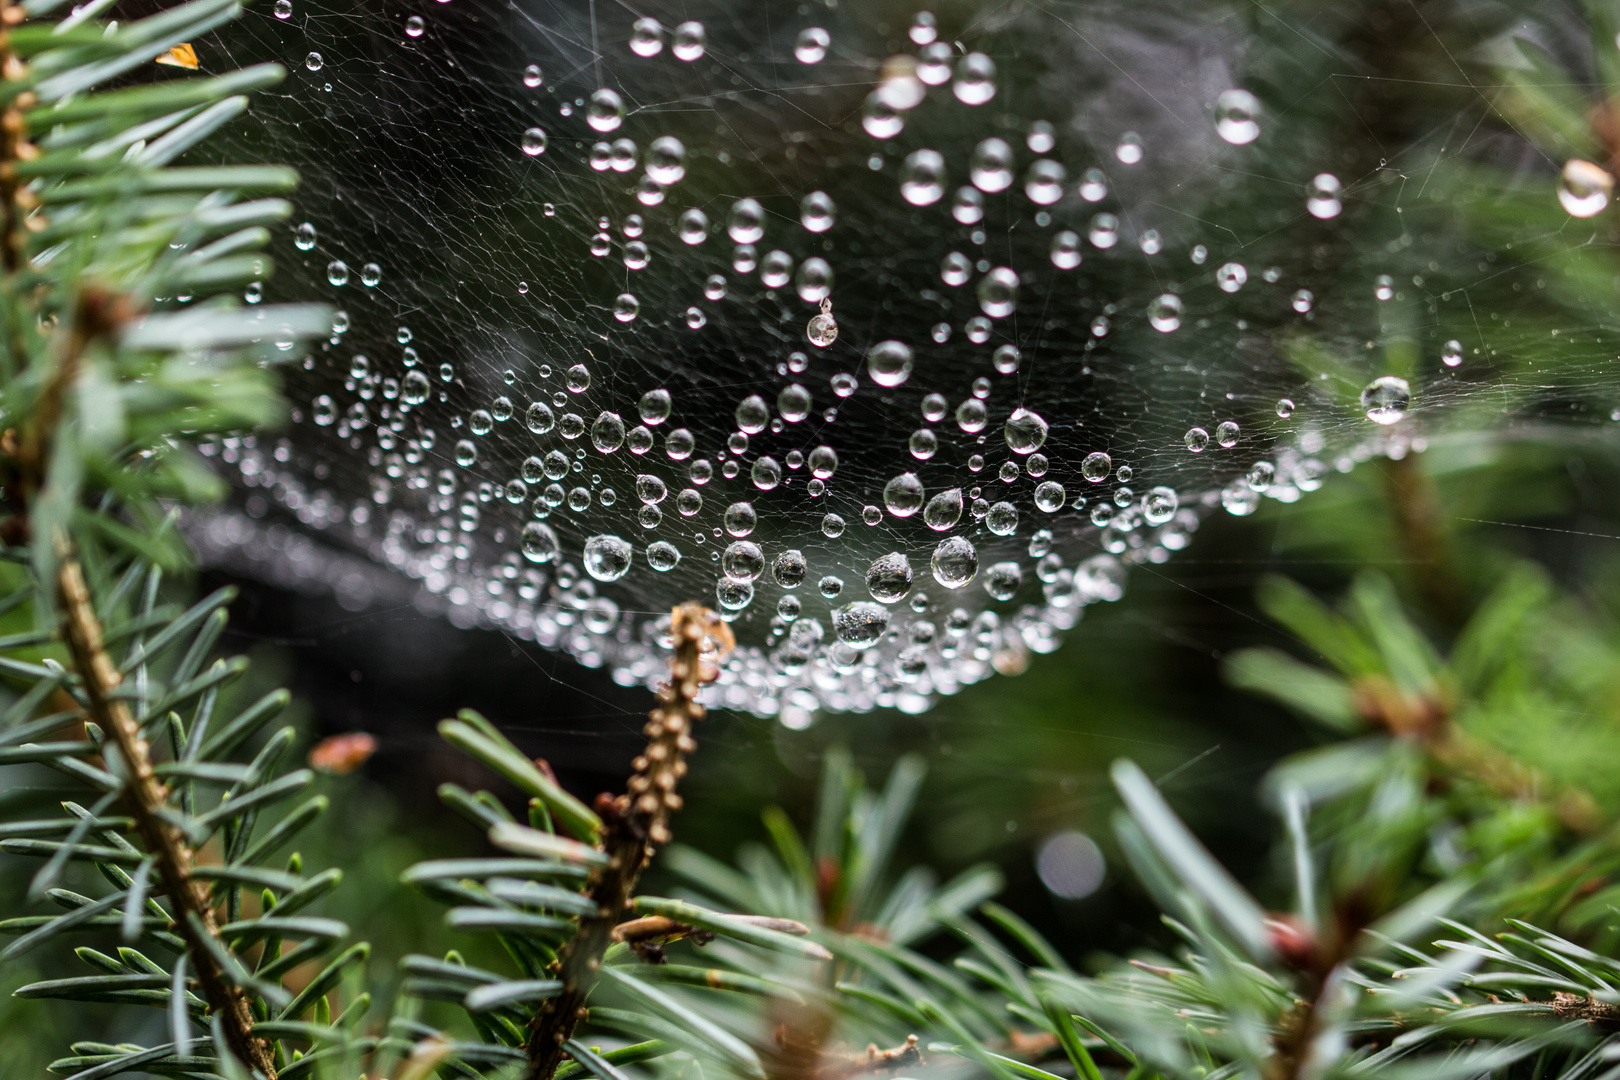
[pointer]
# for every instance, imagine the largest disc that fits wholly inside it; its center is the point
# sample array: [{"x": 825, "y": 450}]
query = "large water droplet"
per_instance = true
[
  {"x": 811, "y": 45},
  {"x": 743, "y": 560},
  {"x": 646, "y": 37},
  {"x": 666, "y": 160},
  {"x": 1451, "y": 354},
  {"x": 889, "y": 363},
  {"x": 607, "y": 557},
  {"x": 1237, "y": 115},
  {"x": 1322, "y": 196},
  {"x": 954, "y": 562},
  {"x": 663, "y": 556},
  {"x": 1159, "y": 505},
  {"x": 943, "y": 510},
  {"x": 903, "y": 496},
  {"x": 1096, "y": 466},
  {"x": 998, "y": 292},
  {"x": 605, "y": 112},
  {"x": 860, "y": 625},
  {"x": 1002, "y": 519},
  {"x": 607, "y": 434},
  {"x": 1002, "y": 580},
  {"x": 1025, "y": 431},
  {"x": 534, "y": 141},
  {"x": 1164, "y": 313},
  {"x": 1584, "y": 188},
  {"x": 975, "y": 81},
  {"x": 538, "y": 542},
  {"x": 1043, "y": 184},
  {"x": 790, "y": 568},
  {"x": 746, "y": 222},
  {"x": 739, "y": 519},
  {"x": 1050, "y": 496},
  {"x": 922, "y": 177},
  {"x": 888, "y": 579},
  {"x": 990, "y": 166},
  {"x": 690, "y": 41},
  {"x": 1386, "y": 398}
]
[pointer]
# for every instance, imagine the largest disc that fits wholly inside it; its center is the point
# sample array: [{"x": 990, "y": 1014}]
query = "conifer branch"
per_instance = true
[
  {"x": 635, "y": 825},
  {"x": 146, "y": 797}
]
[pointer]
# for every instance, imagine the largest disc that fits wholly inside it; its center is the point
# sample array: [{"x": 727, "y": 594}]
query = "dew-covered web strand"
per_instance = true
[{"x": 534, "y": 216}]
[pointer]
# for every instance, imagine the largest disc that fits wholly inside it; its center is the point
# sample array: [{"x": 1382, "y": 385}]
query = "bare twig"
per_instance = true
[
  {"x": 634, "y": 826},
  {"x": 875, "y": 1060}
]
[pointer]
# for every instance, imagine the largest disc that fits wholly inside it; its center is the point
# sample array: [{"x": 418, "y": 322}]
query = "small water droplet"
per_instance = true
[
  {"x": 889, "y": 363},
  {"x": 605, "y": 111},
  {"x": 1584, "y": 188},
  {"x": 690, "y": 41},
  {"x": 1130, "y": 150},
  {"x": 531, "y": 75},
  {"x": 954, "y": 562},
  {"x": 1003, "y": 579},
  {"x": 1322, "y": 196},
  {"x": 1096, "y": 466},
  {"x": 314, "y": 61},
  {"x": 1226, "y": 434},
  {"x": 1451, "y": 354},
  {"x": 860, "y": 625},
  {"x": 337, "y": 272},
  {"x": 975, "y": 81}
]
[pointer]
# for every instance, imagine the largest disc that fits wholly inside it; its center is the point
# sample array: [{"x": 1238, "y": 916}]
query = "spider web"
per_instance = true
[{"x": 1159, "y": 313}]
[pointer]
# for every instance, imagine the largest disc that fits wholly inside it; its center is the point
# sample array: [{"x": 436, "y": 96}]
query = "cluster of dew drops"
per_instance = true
[{"x": 545, "y": 479}]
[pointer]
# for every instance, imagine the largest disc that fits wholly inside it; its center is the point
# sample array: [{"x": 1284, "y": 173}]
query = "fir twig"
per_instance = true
[
  {"x": 635, "y": 824},
  {"x": 147, "y": 796}
]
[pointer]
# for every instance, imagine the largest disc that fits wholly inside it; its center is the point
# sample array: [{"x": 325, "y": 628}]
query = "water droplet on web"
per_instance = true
[
  {"x": 1025, "y": 431},
  {"x": 304, "y": 236},
  {"x": 1002, "y": 519},
  {"x": 967, "y": 207},
  {"x": 860, "y": 625},
  {"x": 625, "y": 307},
  {"x": 607, "y": 434},
  {"x": 880, "y": 119},
  {"x": 1239, "y": 499},
  {"x": 1237, "y": 114},
  {"x": 766, "y": 473},
  {"x": 814, "y": 283},
  {"x": 830, "y": 586},
  {"x": 775, "y": 269},
  {"x": 746, "y": 223},
  {"x": 832, "y": 526},
  {"x": 975, "y": 81},
  {"x": 415, "y": 27},
  {"x": 284, "y": 9},
  {"x": 889, "y": 363},
  {"x": 1096, "y": 466},
  {"x": 922, "y": 177},
  {"x": 955, "y": 269},
  {"x": 790, "y": 568},
  {"x": 1042, "y": 137},
  {"x": 1043, "y": 183},
  {"x": 1003, "y": 579},
  {"x": 1451, "y": 354},
  {"x": 934, "y": 63},
  {"x": 481, "y": 422},
  {"x": 903, "y": 495},
  {"x": 1159, "y": 505},
  {"x": 823, "y": 462},
  {"x": 934, "y": 407},
  {"x": 923, "y": 444},
  {"x": 1322, "y": 196},
  {"x": 1384, "y": 287},
  {"x": 1066, "y": 250},
  {"x": 646, "y": 37},
  {"x": 666, "y": 160},
  {"x": 943, "y": 510},
  {"x": 1050, "y": 496},
  {"x": 898, "y": 86},
  {"x": 923, "y": 28},
  {"x": 810, "y": 47},
  {"x": 539, "y": 417},
  {"x": 1226, "y": 434},
  {"x": 794, "y": 403},
  {"x": 314, "y": 61},
  {"x": 607, "y": 557},
  {"x": 466, "y": 453},
  {"x": 1285, "y": 408},
  {"x": 752, "y": 414},
  {"x": 531, "y": 75},
  {"x": 690, "y": 41},
  {"x": 1261, "y": 475},
  {"x": 337, "y": 272},
  {"x": 1231, "y": 277},
  {"x": 714, "y": 287},
  {"x": 743, "y": 561},
  {"x": 954, "y": 562},
  {"x": 888, "y": 579},
  {"x": 1130, "y": 150},
  {"x": 605, "y": 111},
  {"x": 998, "y": 292},
  {"x": 739, "y": 519},
  {"x": 663, "y": 556},
  {"x": 324, "y": 410},
  {"x": 1302, "y": 301},
  {"x": 1584, "y": 188},
  {"x": 1103, "y": 231},
  {"x": 990, "y": 167},
  {"x": 1164, "y": 313},
  {"x": 971, "y": 416},
  {"x": 1386, "y": 398}
]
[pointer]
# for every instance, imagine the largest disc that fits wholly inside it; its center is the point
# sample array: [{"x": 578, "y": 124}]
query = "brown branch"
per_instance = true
[
  {"x": 146, "y": 797},
  {"x": 1599, "y": 1014},
  {"x": 634, "y": 826}
]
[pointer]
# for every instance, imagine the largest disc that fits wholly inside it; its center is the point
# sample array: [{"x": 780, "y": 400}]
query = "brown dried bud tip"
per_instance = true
[{"x": 1292, "y": 939}]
